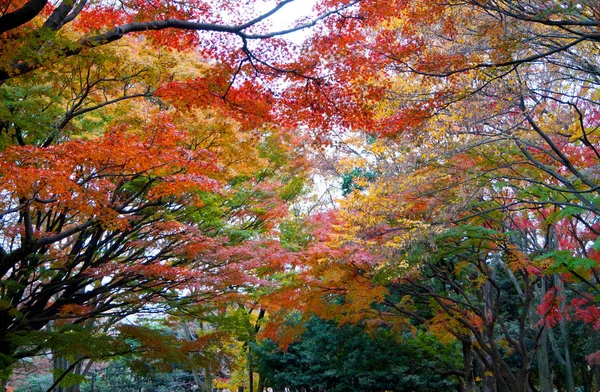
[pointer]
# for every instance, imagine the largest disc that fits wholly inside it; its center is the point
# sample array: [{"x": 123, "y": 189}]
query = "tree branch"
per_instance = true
[
  {"x": 20, "y": 67},
  {"x": 21, "y": 16}
]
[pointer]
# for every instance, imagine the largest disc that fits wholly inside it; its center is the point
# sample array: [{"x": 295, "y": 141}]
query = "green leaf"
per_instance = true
[
  {"x": 596, "y": 245},
  {"x": 564, "y": 261}
]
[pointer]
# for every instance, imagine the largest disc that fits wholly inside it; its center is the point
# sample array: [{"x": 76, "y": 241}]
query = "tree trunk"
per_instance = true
[
  {"x": 63, "y": 364},
  {"x": 261, "y": 383},
  {"x": 196, "y": 377},
  {"x": 587, "y": 377},
  {"x": 208, "y": 380},
  {"x": 566, "y": 338},
  {"x": 187, "y": 333},
  {"x": 250, "y": 375},
  {"x": 543, "y": 354},
  {"x": 523, "y": 384},
  {"x": 467, "y": 352},
  {"x": 544, "y": 363}
]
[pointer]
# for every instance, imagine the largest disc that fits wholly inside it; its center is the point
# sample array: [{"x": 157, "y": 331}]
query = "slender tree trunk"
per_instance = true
[
  {"x": 586, "y": 376},
  {"x": 467, "y": 352},
  {"x": 250, "y": 376},
  {"x": 543, "y": 354},
  {"x": 261, "y": 383},
  {"x": 187, "y": 333},
  {"x": 569, "y": 376},
  {"x": 544, "y": 363},
  {"x": 62, "y": 364},
  {"x": 566, "y": 338},
  {"x": 252, "y": 338},
  {"x": 490, "y": 379},
  {"x": 196, "y": 377},
  {"x": 556, "y": 350},
  {"x": 208, "y": 380}
]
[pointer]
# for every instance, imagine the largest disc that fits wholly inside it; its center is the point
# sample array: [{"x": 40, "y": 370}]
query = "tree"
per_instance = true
[
  {"x": 107, "y": 226},
  {"x": 38, "y": 25},
  {"x": 482, "y": 119},
  {"x": 491, "y": 124},
  {"x": 117, "y": 190},
  {"x": 331, "y": 357}
]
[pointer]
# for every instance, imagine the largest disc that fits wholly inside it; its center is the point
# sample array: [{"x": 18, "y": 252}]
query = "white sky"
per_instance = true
[{"x": 289, "y": 14}]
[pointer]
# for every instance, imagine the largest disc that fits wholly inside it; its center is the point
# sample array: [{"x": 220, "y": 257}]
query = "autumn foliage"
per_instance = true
[{"x": 156, "y": 157}]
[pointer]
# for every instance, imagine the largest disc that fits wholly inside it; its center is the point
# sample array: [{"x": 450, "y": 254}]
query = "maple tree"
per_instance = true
[
  {"x": 487, "y": 118},
  {"x": 105, "y": 221},
  {"x": 469, "y": 249},
  {"x": 38, "y": 22},
  {"x": 107, "y": 209},
  {"x": 147, "y": 149}
]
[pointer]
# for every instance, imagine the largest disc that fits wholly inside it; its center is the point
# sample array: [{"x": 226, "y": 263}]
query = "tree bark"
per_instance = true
[
  {"x": 587, "y": 377},
  {"x": 544, "y": 363},
  {"x": 64, "y": 365},
  {"x": 566, "y": 338},
  {"x": 208, "y": 380},
  {"x": 470, "y": 385},
  {"x": 21, "y": 16},
  {"x": 261, "y": 383},
  {"x": 543, "y": 356}
]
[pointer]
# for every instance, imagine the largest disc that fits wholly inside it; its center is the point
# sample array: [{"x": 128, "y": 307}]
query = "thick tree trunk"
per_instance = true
[{"x": 523, "y": 384}]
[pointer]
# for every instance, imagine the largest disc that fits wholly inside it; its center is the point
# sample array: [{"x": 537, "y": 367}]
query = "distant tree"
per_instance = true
[{"x": 343, "y": 358}]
